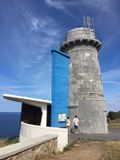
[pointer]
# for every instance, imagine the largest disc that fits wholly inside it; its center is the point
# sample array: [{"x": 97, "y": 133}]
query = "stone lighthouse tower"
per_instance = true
[{"x": 86, "y": 98}]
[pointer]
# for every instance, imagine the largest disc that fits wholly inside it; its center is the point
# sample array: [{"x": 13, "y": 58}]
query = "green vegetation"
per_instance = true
[
  {"x": 69, "y": 147},
  {"x": 113, "y": 115},
  {"x": 12, "y": 140},
  {"x": 113, "y": 119}
]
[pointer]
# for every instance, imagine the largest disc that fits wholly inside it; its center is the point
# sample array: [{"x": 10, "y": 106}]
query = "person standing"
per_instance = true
[
  {"x": 67, "y": 122},
  {"x": 76, "y": 123}
]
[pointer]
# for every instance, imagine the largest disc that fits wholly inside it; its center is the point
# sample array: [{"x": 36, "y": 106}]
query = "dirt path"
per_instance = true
[
  {"x": 89, "y": 150},
  {"x": 81, "y": 151},
  {"x": 3, "y": 142}
]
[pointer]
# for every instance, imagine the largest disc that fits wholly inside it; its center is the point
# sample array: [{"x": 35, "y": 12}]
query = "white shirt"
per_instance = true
[
  {"x": 76, "y": 121},
  {"x": 67, "y": 122}
]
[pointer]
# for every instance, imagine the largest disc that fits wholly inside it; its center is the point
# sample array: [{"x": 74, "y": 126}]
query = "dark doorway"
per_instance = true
[
  {"x": 31, "y": 114},
  {"x": 49, "y": 115}
]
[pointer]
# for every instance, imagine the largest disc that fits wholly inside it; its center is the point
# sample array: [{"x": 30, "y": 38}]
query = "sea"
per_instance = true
[{"x": 9, "y": 124}]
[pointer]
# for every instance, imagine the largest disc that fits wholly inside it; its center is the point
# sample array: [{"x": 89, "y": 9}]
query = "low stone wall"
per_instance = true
[{"x": 30, "y": 149}]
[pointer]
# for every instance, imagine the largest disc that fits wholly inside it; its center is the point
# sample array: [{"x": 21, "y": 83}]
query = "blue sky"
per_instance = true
[{"x": 29, "y": 29}]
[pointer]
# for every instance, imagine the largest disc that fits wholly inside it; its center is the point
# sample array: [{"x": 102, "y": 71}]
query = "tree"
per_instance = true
[{"x": 113, "y": 115}]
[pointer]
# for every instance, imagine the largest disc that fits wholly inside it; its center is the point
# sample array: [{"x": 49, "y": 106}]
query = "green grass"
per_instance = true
[
  {"x": 12, "y": 140},
  {"x": 69, "y": 146}
]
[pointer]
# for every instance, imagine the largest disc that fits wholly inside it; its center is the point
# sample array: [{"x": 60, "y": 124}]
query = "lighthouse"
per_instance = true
[{"x": 86, "y": 99}]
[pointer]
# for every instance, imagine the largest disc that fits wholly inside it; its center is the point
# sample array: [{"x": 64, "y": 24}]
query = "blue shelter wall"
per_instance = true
[{"x": 60, "y": 76}]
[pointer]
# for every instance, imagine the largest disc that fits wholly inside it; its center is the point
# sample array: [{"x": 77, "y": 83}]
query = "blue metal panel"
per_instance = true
[{"x": 60, "y": 75}]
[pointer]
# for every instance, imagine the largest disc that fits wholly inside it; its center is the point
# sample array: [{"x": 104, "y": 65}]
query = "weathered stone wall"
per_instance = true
[
  {"x": 86, "y": 98},
  {"x": 29, "y": 153},
  {"x": 86, "y": 89},
  {"x": 34, "y": 152}
]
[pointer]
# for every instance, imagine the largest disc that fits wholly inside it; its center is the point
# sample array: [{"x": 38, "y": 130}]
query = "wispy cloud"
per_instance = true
[
  {"x": 102, "y": 5},
  {"x": 41, "y": 91},
  {"x": 35, "y": 24},
  {"x": 41, "y": 24},
  {"x": 32, "y": 42},
  {"x": 6, "y": 89},
  {"x": 56, "y": 4},
  {"x": 17, "y": 87},
  {"x": 29, "y": 58},
  {"x": 113, "y": 104},
  {"x": 113, "y": 101},
  {"x": 112, "y": 82},
  {"x": 61, "y": 5},
  {"x": 112, "y": 76},
  {"x": 111, "y": 38}
]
